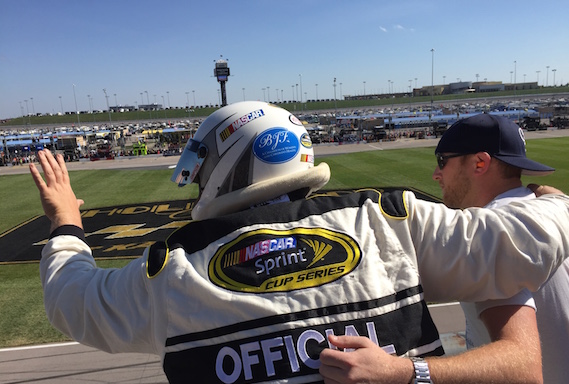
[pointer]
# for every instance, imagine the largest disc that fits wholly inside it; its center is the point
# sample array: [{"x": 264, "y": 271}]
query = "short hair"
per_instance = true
[{"x": 508, "y": 171}]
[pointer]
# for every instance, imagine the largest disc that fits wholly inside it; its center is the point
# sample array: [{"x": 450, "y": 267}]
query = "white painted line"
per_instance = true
[
  {"x": 443, "y": 305},
  {"x": 38, "y": 346}
]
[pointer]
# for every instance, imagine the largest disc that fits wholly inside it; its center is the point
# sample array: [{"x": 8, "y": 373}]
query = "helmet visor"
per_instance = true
[{"x": 190, "y": 162}]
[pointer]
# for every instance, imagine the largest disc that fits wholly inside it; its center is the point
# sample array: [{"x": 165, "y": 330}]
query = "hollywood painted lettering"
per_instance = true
[
  {"x": 159, "y": 209},
  {"x": 268, "y": 352}
]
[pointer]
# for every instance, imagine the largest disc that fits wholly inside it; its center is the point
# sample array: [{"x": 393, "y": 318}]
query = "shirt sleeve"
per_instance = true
[
  {"x": 108, "y": 309},
  {"x": 480, "y": 254},
  {"x": 524, "y": 297}
]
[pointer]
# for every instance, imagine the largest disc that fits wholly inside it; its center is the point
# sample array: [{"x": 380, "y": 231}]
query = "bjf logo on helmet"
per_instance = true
[{"x": 276, "y": 145}]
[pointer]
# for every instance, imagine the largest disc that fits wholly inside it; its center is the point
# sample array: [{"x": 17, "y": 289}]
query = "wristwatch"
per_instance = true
[{"x": 422, "y": 374}]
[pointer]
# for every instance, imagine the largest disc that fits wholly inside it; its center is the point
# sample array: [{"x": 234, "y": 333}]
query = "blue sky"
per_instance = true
[{"x": 164, "y": 49}]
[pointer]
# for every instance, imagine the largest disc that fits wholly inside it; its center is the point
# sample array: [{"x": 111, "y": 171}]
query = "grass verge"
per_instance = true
[{"x": 22, "y": 318}]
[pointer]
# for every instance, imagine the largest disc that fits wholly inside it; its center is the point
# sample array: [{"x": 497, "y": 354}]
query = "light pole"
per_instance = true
[
  {"x": 188, "y": 103},
  {"x": 61, "y": 103},
  {"x": 28, "y": 112},
  {"x": 91, "y": 106},
  {"x": 547, "y": 76},
  {"x": 168, "y": 96},
  {"x": 33, "y": 107},
  {"x": 515, "y": 78},
  {"x": 393, "y": 92},
  {"x": 194, "y": 95},
  {"x": 316, "y": 92},
  {"x": 554, "y": 70},
  {"x": 76, "y": 110},
  {"x": 335, "y": 104},
  {"x": 23, "y": 116},
  {"x": 148, "y": 103},
  {"x": 515, "y": 73},
  {"x": 300, "y": 76},
  {"x": 108, "y": 108},
  {"x": 243, "y": 89},
  {"x": 364, "y": 89},
  {"x": 432, "y": 81}
]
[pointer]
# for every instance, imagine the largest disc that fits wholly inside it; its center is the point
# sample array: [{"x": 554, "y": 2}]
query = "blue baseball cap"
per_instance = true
[{"x": 497, "y": 135}]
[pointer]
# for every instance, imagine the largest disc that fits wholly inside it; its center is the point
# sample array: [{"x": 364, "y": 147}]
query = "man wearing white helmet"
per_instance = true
[
  {"x": 246, "y": 162},
  {"x": 268, "y": 271}
]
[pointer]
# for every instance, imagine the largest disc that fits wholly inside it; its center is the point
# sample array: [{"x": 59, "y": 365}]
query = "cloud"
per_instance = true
[
  {"x": 399, "y": 27},
  {"x": 383, "y": 29}
]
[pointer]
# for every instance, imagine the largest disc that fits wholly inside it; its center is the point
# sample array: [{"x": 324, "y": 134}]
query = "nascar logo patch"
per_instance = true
[{"x": 268, "y": 260}]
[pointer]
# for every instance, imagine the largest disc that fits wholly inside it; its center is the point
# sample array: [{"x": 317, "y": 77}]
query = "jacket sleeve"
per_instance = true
[
  {"x": 480, "y": 254},
  {"x": 108, "y": 309}
]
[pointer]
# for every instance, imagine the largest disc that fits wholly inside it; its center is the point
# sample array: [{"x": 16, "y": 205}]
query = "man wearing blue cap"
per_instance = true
[{"x": 480, "y": 163}]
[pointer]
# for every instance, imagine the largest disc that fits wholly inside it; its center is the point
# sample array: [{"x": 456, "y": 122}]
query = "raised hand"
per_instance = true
[{"x": 57, "y": 197}]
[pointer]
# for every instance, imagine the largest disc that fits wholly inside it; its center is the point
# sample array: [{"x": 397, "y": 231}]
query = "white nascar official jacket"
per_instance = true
[{"x": 251, "y": 297}]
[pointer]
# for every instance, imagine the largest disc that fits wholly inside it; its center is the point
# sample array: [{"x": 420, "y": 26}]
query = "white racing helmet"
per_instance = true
[{"x": 245, "y": 154}]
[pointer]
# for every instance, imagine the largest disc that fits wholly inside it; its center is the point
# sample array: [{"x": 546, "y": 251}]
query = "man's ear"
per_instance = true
[{"x": 482, "y": 161}]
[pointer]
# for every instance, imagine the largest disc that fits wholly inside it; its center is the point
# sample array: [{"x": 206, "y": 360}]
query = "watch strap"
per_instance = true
[{"x": 422, "y": 373}]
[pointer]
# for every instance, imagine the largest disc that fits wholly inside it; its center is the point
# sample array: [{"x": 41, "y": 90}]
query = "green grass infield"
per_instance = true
[{"x": 22, "y": 318}]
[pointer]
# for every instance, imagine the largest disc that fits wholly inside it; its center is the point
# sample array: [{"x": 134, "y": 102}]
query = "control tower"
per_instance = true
[{"x": 221, "y": 71}]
